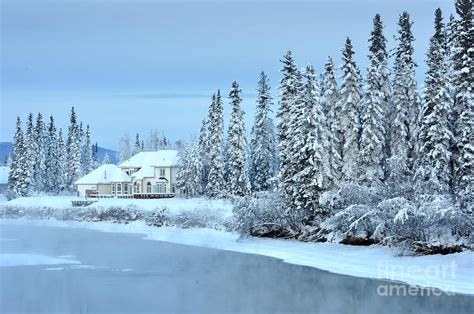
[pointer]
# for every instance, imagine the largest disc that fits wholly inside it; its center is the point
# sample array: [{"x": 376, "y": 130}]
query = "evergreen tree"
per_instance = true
[
  {"x": 237, "y": 179},
  {"x": 74, "y": 151},
  {"x": 216, "y": 182},
  {"x": 196, "y": 171},
  {"x": 40, "y": 154},
  {"x": 52, "y": 158},
  {"x": 16, "y": 177},
  {"x": 31, "y": 150},
  {"x": 315, "y": 175},
  {"x": 330, "y": 97},
  {"x": 350, "y": 122},
  {"x": 463, "y": 105},
  {"x": 203, "y": 154},
  {"x": 403, "y": 130},
  {"x": 290, "y": 86},
  {"x": 137, "y": 147},
  {"x": 95, "y": 156},
  {"x": 183, "y": 175},
  {"x": 433, "y": 173},
  {"x": 125, "y": 149},
  {"x": 374, "y": 103},
  {"x": 188, "y": 178},
  {"x": 106, "y": 159},
  {"x": 88, "y": 164},
  {"x": 62, "y": 172},
  {"x": 263, "y": 153}
]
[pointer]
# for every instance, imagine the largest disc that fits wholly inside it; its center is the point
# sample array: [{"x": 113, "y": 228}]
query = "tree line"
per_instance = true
[
  {"x": 378, "y": 131},
  {"x": 44, "y": 161}
]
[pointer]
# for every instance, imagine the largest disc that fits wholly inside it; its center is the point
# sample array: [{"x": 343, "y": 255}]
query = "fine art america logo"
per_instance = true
[{"x": 431, "y": 274}]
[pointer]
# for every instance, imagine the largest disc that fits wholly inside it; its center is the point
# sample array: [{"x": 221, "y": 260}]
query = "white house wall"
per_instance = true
[{"x": 81, "y": 188}]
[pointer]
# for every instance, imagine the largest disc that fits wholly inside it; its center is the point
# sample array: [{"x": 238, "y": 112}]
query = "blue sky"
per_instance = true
[{"x": 132, "y": 66}]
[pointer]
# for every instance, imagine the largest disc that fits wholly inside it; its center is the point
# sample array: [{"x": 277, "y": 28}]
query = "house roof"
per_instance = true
[
  {"x": 4, "y": 172},
  {"x": 161, "y": 158},
  {"x": 144, "y": 172},
  {"x": 104, "y": 174}
]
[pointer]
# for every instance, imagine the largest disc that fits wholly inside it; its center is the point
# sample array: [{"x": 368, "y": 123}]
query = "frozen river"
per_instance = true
[{"x": 119, "y": 273}]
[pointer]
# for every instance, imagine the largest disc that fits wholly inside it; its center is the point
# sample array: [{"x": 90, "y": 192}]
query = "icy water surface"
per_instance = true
[{"x": 122, "y": 273}]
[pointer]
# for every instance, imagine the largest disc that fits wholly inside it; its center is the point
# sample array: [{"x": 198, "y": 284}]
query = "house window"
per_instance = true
[
  {"x": 119, "y": 188},
  {"x": 161, "y": 187},
  {"x": 125, "y": 188},
  {"x": 136, "y": 187},
  {"x": 148, "y": 187},
  {"x": 173, "y": 188},
  {"x": 162, "y": 172},
  {"x": 113, "y": 188}
]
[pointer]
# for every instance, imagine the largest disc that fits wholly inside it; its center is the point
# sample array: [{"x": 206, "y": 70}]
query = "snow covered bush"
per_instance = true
[
  {"x": 156, "y": 217},
  {"x": 353, "y": 225},
  {"x": 262, "y": 214},
  {"x": 114, "y": 214},
  {"x": 433, "y": 224},
  {"x": 436, "y": 225},
  {"x": 209, "y": 218},
  {"x": 349, "y": 194}
]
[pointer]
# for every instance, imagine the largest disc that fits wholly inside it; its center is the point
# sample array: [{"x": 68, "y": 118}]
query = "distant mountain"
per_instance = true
[{"x": 6, "y": 149}]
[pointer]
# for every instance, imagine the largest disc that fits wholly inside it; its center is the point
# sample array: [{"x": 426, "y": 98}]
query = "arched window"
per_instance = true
[{"x": 148, "y": 187}]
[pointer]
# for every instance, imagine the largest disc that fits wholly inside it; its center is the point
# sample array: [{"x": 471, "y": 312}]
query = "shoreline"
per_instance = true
[{"x": 451, "y": 273}]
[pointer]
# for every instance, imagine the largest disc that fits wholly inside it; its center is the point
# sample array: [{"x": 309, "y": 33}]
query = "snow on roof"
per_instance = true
[
  {"x": 104, "y": 174},
  {"x": 144, "y": 172},
  {"x": 161, "y": 158},
  {"x": 4, "y": 171}
]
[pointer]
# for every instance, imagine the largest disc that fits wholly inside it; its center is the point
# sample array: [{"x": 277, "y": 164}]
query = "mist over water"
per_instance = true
[{"x": 122, "y": 273}]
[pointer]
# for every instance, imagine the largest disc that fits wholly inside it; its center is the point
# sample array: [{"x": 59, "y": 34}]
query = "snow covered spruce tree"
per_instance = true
[
  {"x": 237, "y": 179},
  {"x": 290, "y": 86},
  {"x": 87, "y": 164},
  {"x": 137, "y": 147},
  {"x": 16, "y": 177},
  {"x": 61, "y": 178},
  {"x": 432, "y": 171},
  {"x": 314, "y": 175},
  {"x": 263, "y": 150},
  {"x": 374, "y": 104},
  {"x": 106, "y": 159},
  {"x": 215, "y": 184},
  {"x": 125, "y": 148},
  {"x": 404, "y": 113},
  {"x": 203, "y": 154},
  {"x": 188, "y": 178},
  {"x": 74, "y": 151},
  {"x": 30, "y": 157},
  {"x": 182, "y": 177},
  {"x": 52, "y": 161},
  {"x": 95, "y": 156},
  {"x": 350, "y": 121},
  {"x": 463, "y": 105},
  {"x": 329, "y": 100},
  {"x": 41, "y": 148}
]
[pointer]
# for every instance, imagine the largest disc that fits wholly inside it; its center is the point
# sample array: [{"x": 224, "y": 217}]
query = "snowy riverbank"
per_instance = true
[
  {"x": 174, "y": 205},
  {"x": 451, "y": 273}
]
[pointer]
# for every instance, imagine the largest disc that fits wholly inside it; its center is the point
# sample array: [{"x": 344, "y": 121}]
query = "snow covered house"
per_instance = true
[
  {"x": 144, "y": 175},
  {"x": 4, "y": 171},
  {"x": 102, "y": 181}
]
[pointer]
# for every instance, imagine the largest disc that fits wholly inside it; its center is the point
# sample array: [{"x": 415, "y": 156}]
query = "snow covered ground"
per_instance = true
[
  {"x": 175, "y": 206},
  {"x": 451, "y": 273}
]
